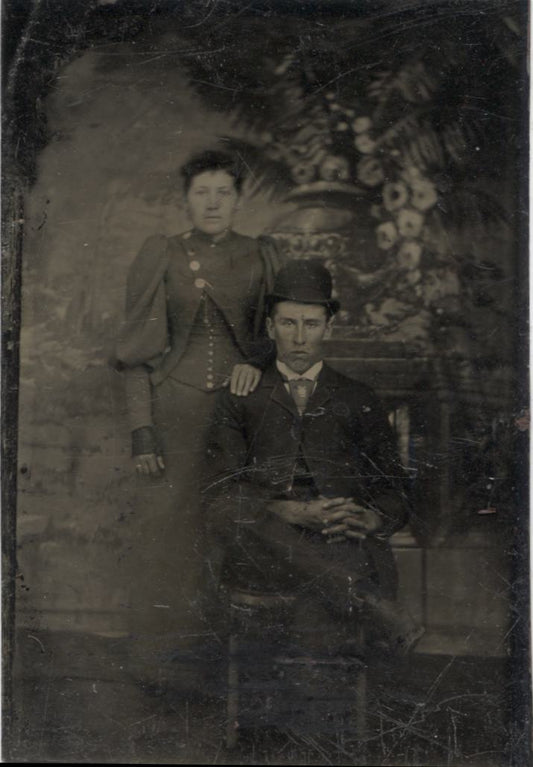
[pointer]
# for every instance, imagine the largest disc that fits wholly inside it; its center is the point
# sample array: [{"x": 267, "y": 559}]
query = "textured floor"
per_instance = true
[{"x": 75, "y": 702}]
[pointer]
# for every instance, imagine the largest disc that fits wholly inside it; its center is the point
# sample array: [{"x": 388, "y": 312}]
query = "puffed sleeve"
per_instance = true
[{"x": 143, "y": 337}]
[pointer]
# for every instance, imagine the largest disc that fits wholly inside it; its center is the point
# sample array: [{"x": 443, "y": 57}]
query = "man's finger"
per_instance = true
[
  {"x": 334, "y": 516},
  {"x": 160, "y": 462},
  {"x": 354, "y": 508},
  {"x": 353, "y": 523},
  {"x": 354, "y": 534},
  {"x": 333, "y": 502},
  {"x": 334, "y": 529},
  {"x": 369, "y": 521}
]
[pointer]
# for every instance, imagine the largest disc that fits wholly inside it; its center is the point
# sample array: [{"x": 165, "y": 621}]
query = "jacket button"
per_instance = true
[
  {"x": 199, "y": 283},
  {"x": 194, "y": 266}
]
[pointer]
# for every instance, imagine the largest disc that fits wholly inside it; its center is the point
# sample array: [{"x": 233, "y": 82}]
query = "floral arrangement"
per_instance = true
[
  {"x": 340, "y": 148},
  {"x": 410, "y": 143}
]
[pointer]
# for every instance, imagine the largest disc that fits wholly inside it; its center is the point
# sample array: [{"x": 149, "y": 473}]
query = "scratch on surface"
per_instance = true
[
  {"x": 142, "y": 721},
  {"x": 36, "y": 639}
]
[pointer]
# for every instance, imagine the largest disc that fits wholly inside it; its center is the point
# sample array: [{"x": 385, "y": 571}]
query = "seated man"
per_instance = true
[{"x": 306, "y": 460}]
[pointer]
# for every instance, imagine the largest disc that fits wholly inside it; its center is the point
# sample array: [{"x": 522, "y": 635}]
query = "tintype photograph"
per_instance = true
[{"x": 265, "y": 404}]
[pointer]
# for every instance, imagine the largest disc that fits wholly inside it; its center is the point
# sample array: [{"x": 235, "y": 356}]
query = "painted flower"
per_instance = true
[
  {"x": 386, "y": 235},
  {"x": 412, "y": 174},
  {"x": 390, "y": 310},
  {"x": 342, "y": 126},
  {"x": 334, "y": 168},
  {"x": 370, "y": 171},
  {"x": 438, "y": 284},
  {"x": 361, "y": 124},
  {"x": 410, "y": 222},
  {"x": 376, "y": 211},
  {"x": 343, "y": 315},
  {"x": 395, "y": 195},
  {"x": 364, "y": 143},
  {"x": 424, "y": 194},
  {"x": 409, "y": 254},
  {"x": 303, "y": 172},
  {"x": 413, "y": 276}
]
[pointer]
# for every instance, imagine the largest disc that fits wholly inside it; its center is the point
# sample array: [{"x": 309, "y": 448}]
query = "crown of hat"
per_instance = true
[{"x": 303, "y": 280}]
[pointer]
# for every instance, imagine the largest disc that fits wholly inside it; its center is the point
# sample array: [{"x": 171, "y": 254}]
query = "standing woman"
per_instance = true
[{"x": 194, "y": 315}]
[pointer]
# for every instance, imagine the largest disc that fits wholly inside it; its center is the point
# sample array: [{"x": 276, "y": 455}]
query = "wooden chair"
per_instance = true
[{"x": 262, "y": 661}]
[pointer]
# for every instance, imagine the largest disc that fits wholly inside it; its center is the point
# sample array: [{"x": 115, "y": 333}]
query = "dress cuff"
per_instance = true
[{"x": 143, "y": 441}]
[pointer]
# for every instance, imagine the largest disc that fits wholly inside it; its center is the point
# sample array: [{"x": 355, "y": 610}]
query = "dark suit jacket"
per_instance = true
[{"x": 346, "y": 441}]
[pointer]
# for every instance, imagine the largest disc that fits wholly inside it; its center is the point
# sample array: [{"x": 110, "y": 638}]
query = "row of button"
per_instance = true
[
  {"x": 210, "y": 353},
  {"x": 200, "y": 283}
]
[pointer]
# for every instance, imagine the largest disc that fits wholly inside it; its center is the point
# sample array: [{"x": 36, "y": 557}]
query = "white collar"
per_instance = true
[{"x": 290, "y": 375}]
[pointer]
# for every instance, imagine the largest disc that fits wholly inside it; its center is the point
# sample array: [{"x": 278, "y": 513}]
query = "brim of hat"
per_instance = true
[{"x": 332, "y": 304}]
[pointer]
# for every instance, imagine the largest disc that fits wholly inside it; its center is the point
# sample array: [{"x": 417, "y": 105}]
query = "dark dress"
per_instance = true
[{"x": 194, "y": 308}]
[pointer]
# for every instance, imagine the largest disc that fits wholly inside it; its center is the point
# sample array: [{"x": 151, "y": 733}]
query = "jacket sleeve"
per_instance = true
[{"x": 143, "y": 338}]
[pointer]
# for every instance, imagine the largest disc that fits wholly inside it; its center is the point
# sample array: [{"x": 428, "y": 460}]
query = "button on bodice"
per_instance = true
[{"x": 211, "y": 350}]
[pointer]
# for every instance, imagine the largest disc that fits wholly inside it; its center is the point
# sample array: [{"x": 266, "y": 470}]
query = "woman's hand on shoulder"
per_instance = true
[
  {"x": 149, "y": 464},
  {"x": 244, "y": 379}
]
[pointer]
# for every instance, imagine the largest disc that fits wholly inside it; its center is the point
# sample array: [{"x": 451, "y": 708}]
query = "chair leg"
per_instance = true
[
  {"x": 360, "y": 713},
  {"x": 232, "y": 709}
]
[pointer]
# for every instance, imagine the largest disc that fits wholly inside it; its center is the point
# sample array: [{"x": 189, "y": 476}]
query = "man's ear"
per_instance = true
[
  {"x": 329, "y": 327},
  {"x": 270, "y": 328}
]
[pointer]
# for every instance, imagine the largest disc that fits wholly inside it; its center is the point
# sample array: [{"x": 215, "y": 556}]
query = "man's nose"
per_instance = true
[
  {"x": 212, "y": 201},
  {"x": 300, "y": 335}
]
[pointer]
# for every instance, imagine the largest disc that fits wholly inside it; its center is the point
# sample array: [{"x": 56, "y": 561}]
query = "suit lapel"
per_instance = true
[
  {"x": 325, "y": 387},
  {"x": 273, "y": 380}
]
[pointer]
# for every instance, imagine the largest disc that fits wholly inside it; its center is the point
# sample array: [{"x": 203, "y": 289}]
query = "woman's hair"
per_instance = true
[{"x": 211, "y": 160}]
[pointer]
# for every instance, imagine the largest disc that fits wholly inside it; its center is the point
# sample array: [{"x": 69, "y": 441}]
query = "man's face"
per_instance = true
[
  {"x": 299, "y": 330},
  {"x": 211, "y": 201}
]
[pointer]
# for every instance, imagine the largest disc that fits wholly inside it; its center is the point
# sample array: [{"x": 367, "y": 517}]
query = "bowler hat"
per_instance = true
[{"x": 306, "y": 281}]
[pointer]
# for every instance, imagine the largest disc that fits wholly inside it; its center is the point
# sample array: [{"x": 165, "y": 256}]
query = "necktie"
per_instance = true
[{"x": 301, "y": 389}]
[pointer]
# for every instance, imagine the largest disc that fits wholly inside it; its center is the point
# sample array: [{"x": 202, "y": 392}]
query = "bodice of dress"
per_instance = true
[
  {"x": 211, "y": 350},
  {"x": 224, "y": 278}
]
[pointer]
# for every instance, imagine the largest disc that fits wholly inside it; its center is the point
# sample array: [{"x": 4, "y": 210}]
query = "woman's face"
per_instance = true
[{"x": 212, "y": 201}]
